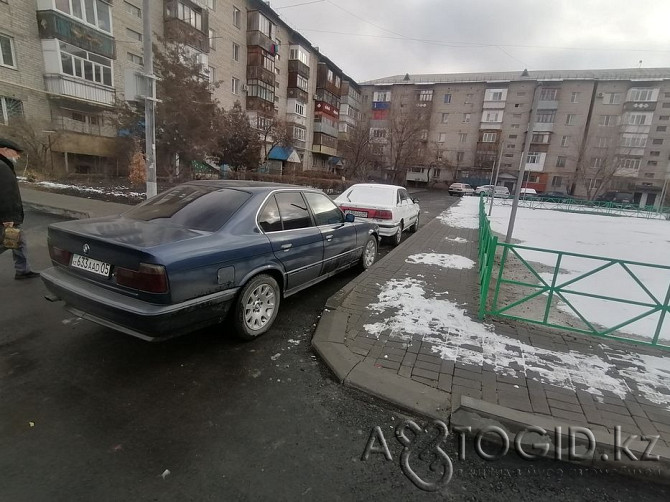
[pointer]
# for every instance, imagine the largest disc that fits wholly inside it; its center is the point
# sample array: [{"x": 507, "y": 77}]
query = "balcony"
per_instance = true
[
  {"x": 79, "y": 90},
  {"x": 494, "y": 105},
  {"x": 328, "y": 109},
  {"x": 258, "y": 39},
  {"x": 324, "y": 144},
  {"x": 547, "y": 105},
  {"x": 294, "y": 118},
  {"x": 179, "y": 31},
  {"x": 52, "y": 24},
  {"x": 299, "y": 94},
  {"x": 543, "y": 127},
  {"x": 381, "y": 105},
  {"x": 325, "y": 128},
  {"x": 491, "y": 125},
  {"x": 297, "y": 66},
  {"x": 260, "y": 73}
]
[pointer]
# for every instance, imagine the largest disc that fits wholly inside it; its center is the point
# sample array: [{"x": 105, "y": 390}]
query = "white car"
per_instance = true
[
  {"x": 389, "y": 206},
  {"x": 500, "y": 191},
  {"x": 460, "y": 189}
]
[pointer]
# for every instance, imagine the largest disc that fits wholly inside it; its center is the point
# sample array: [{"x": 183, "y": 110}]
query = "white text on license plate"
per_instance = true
[
  {"x": 90, "y": 265},
  {"x": 362, "y": 214}
]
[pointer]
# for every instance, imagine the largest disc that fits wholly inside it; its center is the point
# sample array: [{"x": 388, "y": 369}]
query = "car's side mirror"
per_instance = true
[
  {"x": 416, "y": 201},
  {"x": 349, "y": 218}
]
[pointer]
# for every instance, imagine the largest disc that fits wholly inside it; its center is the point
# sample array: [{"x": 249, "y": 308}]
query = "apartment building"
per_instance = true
[
  {"x": 64, "y": 63},
  {"x": 590, "y": 128}
]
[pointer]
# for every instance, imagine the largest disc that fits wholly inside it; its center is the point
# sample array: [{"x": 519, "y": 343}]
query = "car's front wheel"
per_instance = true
[
  {"x": 369, "y": 253},
  {"x": 257, "y": 307}
]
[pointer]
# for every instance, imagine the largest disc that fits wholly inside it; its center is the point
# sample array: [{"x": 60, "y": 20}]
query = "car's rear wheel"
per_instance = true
[
  {"x": 257, "y": 307},
  {"x": 415, "y": 227},
  {"x": 369, "y": 253},
  {"x": 397, "y": 237}
]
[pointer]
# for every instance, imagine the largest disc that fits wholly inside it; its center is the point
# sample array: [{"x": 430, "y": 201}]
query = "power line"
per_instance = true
[{"x": 298, "y": 4}]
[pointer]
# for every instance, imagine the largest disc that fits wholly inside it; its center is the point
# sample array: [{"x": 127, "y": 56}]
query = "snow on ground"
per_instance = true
[
  {"x": 458, "y": 240},
  {"x": 442, "y": 260},
  {"x": 116, "y": 192},
  {"x": 623, "y": 238},
  {"x": 408, "y": 310}
]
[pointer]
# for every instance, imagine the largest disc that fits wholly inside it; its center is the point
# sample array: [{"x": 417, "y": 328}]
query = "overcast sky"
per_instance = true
[{"x": 371, "y": 39}]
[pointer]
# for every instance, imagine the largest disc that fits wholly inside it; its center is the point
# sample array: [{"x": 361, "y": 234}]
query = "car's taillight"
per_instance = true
[
  {"x": 383, "y": 214},
  {"x": 149, "y": 278},
  {"x": 59, "y": 255}
]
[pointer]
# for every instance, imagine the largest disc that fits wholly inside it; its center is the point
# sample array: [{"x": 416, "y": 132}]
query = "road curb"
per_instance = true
[
  {"x": 58, "y": 211},
  {"x": 479, "y": 416}
]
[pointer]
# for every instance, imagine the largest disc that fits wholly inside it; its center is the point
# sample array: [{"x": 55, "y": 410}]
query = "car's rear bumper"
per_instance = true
[{"x": 134, "y": 317}]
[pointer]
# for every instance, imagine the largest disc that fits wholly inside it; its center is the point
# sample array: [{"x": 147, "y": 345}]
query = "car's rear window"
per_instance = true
[
  {"x": 370, "y": 195},
  {"x": 196, "y": 207}
]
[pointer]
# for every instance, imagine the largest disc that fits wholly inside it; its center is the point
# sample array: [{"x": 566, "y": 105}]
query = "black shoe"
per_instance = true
[{"x": 26, "y": 275}]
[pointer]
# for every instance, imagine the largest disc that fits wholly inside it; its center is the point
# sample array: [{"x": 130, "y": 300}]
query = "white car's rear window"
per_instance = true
[{"x": 370, "y": 195}]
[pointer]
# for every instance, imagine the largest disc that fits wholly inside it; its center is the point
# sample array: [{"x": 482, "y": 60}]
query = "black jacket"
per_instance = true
[{"x": 11, "y": 207}]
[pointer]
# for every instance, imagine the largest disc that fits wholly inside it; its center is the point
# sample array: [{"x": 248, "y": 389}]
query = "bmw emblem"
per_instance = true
[{"x": 87, "y": 249}]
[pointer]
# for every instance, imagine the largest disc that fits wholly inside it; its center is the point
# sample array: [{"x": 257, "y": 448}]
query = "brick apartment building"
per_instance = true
[
  {"x": 588, "y": 123},
  {"x": 64, "y": 63}
]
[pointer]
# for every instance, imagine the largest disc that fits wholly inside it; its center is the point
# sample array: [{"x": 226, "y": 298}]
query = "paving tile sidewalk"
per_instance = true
[{"x": 410, "y": 370}]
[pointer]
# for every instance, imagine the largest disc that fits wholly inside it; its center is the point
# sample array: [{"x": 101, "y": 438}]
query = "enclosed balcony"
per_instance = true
[
  {"x": 296, "y": 66},
  {"x": 59, "y": 85},
  {"x": 54, "y": 25}
]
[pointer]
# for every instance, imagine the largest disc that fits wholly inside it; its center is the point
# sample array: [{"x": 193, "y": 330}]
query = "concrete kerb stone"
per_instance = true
[
  {"x": 477, "y": 415},
  {"x": 58, "y": 211}
]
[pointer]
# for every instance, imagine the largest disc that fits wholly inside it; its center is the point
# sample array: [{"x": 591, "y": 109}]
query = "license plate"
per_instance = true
[
  {"x": 90, "y": 265},
  {"x": 362, "y": 214}
]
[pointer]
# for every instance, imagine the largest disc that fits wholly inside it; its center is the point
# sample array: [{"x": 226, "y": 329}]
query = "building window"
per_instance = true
[
  {"x": 95, "y": 13},
  {"x": 533, "y": 158},
  {"x": 381, "y": 96},
  {"x": 548, "y": 94},
  {"x": 565, "y": 141},
  {"x": 603, "y": 142},
  {"x": 657, "y": 142},
  {"x": 641, "y": 95},
  {"x": 425, "y": 95},
  {"x": 235, "y": 85},
  {"x": 597, "y": 162},
  {"x": 574, "y": 97},
  {"x": 211, "y": 4},
  {"x": 638, "y": 141},
  {"x": 496, "y": 96},
  {"x": 652, "y": 163},
  {"x": 515, "y": 126},
  {"x": 260, "y": 89},
  {"x": 211, "y": 74},
  {"x": 300, "y": 109},
  {"x": 557, "y": 181},
  {"x": 85, "y": 65},
  {"x": 607, "y": 120},
  {"x": 133, "y": 35},
  {"x": 493, "y": 117},
  {"x": 571, "y": 119},
  {"x": 7, "y": 57},
  {"x": 447, "y": 98},
  {"x": 189, "y": 16},
  {"x": 594, "y": 183},
  {"x": 298, "y": 133},
  {"x": 466, "y": 117},
  {"x": 442, "y": 137},
  {"x": 462, "y": 137},
  {"x": 445, "y": 118},
  {"x": 611, "y": 98},
  {"x": 10, "y": 108},
  {"x": 540, "y": 138},
  {"x": 666, "y": 105},
  {"x": 649, "y": 175},
  {"x": 468, "y": 99},
  {"x": 664, "y": 117},
  {"x": 212, "y": 39},
  {"x": 132, "y": 10},
  {"x": 489, "y": 137},
  {"x": 134, "y": 58},
  {"x": 655, "y": 153},
  {"x": 630, "y": 163},
  {"x": 236, "y": 52},
  {"x": 460, "y": 156},
  {"x": 636, "y": 119},
  {"x": 237, "y": 16},
  {"x": 545, "y": 116},
  {"x": 302, "y": 83},
  {"x": 560, "y": 161},
  {"x": 510, "y": 145}
]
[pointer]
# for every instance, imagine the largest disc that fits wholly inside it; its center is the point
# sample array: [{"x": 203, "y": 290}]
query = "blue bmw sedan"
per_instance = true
[{"x": 201, "y": 253}]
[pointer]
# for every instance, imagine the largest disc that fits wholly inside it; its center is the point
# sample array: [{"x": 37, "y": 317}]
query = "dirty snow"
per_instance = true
[
  {"x": 442, "y": 260},
  {"x": 119, "y": 191},
  {"x": 408, "y": 311},
  {"x": 458, "y": 240},
  {"x": 623, "y": 238}
]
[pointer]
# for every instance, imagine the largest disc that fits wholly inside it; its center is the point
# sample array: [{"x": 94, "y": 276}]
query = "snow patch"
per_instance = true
[
  {"x": 408, "y": 312},
  {"x": 458, "y": 240},
  {"x": 460, "y": 215},
  {"x": 442, "y": 260}
]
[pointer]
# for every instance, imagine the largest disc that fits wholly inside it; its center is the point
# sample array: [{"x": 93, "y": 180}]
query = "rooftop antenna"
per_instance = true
[
  {"x": 406, "y": 79},
  {"x": 640, "y": 64}
]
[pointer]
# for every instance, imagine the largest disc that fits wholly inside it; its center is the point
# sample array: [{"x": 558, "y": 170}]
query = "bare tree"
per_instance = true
[
  {"x": 275, "y": 132},
  {"x": 237, "y": 143},
  {"x": 601, "y": 160},
  {"x": 38, "y": 146},
  {"x": 405, "y": 138},
  {"x": 357, "y": 150}
]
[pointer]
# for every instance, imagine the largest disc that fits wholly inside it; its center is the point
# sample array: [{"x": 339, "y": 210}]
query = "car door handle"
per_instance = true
[
  {"x": 286, "y": 247},
  {"x": 329, "y": 237}
]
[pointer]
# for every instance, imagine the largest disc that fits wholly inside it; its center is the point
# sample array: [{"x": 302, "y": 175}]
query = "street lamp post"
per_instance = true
[{"x": 51, "y": 153}]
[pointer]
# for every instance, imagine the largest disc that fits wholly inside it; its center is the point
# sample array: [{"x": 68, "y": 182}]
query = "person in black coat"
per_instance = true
[{"x": 11, "y": 206}]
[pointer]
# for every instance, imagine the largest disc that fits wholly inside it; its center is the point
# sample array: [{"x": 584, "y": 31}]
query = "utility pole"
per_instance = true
[
  {"x": 149, "y": 102},
  {"x": 522, "y": 164}
]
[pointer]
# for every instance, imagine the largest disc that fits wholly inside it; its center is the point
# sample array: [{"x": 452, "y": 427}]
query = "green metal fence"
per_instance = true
[{"x": 547, "y": 291}]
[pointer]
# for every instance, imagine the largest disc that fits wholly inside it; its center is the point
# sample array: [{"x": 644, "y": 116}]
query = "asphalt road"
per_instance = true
[{"x": 89, "y": 414}]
